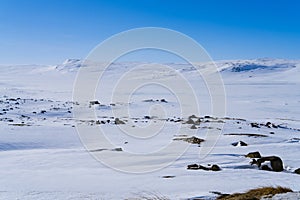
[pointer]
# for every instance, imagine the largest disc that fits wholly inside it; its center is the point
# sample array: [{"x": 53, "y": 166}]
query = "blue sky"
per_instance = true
[{"x": 50, "y": 31}]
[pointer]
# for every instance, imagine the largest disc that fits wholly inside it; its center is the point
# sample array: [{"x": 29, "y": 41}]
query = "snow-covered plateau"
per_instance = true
[{"x": 43, "y": 157}]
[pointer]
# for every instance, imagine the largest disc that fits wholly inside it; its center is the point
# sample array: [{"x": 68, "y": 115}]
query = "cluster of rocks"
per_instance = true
[
  {"x": 192, "y": 140},
  {"x": 156, "y": 100},
  {"x": 276, "y": 163},
  {"x": 13, "y": 110},
  {"x": 259, "y": 125},
  {"x": 209, "y": 168}
]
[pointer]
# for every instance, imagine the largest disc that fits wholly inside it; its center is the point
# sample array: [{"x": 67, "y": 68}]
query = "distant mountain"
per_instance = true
[
  {"x": 257, "y": 64},
  {"x": 264, "y": 65}
]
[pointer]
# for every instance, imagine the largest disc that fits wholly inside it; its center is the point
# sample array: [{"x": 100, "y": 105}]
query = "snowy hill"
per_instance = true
[
  {"x": 69, "y": 65},
  {"x": 270, "y": 65},
  {"x": 44, "y": 158}
]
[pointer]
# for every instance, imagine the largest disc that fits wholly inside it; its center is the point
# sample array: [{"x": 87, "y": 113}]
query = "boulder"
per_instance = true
[
  {"x": 275, "y": 162},
  {"x": 193, "y": 166},
  {"x": 297, "y": 171},
  {"x": 118, "y": 121},
  {"x": 95, "y": 102},
  {"x": 215, "y": 168},
  {"x": 240, "y": 143},
  {"x": 255, "y": 154},
  {"x": 193, "y": 140},
  {"x": 193, "y": 126}
]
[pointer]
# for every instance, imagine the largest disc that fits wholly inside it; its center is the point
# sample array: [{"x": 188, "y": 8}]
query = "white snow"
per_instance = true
[{"x": 42, "y": 156}]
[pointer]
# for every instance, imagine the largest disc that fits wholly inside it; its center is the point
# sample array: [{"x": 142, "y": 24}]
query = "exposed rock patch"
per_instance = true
[
  {"x": 209, "y": 168},
  {"x": 275, "y": 162},
  {"x": 247, "y": 134},
  {"x": 240, "y": 143},
  {"x": 95, "y": 102},
  {"x": 118, "y": 121},
  {"x": 192, "y": 140},
  {"x": 297, "y": 171},
  {"x": 255, "y": 154}
]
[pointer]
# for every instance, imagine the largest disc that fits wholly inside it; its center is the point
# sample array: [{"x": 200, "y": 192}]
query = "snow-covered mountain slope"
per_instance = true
[
  {"x": 69, "y": 65},
  {"x": 42, "y": 156}
]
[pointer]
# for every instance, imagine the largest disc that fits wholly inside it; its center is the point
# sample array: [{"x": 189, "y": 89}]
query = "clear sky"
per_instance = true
[{"x": 50, "y": 31}]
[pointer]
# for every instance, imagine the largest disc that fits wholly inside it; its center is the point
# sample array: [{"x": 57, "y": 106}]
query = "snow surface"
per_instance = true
[{"x": 42, "y": 156}]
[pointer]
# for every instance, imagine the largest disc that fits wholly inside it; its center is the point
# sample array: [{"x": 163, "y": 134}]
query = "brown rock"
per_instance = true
[
  {"x": 215, "y": 168},
  {"x": 193, "y": 126},
  {"x": 255, "y": 154},
  {"x": 118, "y": 121},
  {"x": 193, "y": 166},
  {"x": 190, "y": 121}
]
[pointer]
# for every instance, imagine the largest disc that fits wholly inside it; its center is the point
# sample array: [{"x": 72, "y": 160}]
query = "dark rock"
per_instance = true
[
  {"x": 168, "y": 176},
  {"x": 190, "y": 121},
  {"x": 163, "y": 100},
  {"x": 276, "y": 163},
  {"x": 297, "y": 171},
  {"x": 178, "y": 120},
  {"x": 192, "y": 140},
  {"x": 193, "y": 126},
  {"x": 95, "y": 102},
  {"x": 198, "y": 121},
  {"x": 193, "y": 166},
  {"x": 204, "y": 168},
  {"x": 246, "y": 134},
  {"x": 215, "y": 168},
  {"x": 147, "y": 117},
  {"x": 117, "y": 149},
  {"x": 192, "y": 116},
  {"x": 148, "y": 100},
  {"x": 255, "y": 154},
  {"x": 118, "y": 121},
  {"x": 254, "y": 125},
  {"x": 269, "y": 125},
  {"x": 243, "y": 143},
  {"x": 240, "y": 143},
  {"x": 266, "y": 167}
]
